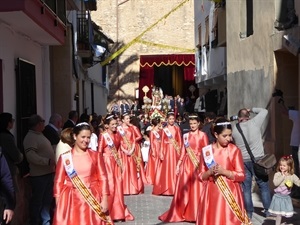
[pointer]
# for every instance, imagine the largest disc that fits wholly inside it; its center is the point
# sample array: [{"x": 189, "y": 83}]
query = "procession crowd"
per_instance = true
[{"x": 94, "y": 161}]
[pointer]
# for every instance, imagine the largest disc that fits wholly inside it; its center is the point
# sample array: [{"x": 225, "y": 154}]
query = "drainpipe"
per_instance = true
[{"x": 117, "y": 58}]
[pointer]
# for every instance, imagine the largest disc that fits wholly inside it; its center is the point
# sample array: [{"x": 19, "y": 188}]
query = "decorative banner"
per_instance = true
[
  {"x": 186, "y": 50},
  {"x": 136, "y": 39},
  {"x": 208, "y": 156}
]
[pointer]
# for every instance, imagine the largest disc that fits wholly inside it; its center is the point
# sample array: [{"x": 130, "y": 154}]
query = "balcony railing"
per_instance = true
[{"x": 58, "y": 7}]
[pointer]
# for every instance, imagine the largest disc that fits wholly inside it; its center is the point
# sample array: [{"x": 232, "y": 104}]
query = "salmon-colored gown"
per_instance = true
[
  {"x": 117, "y": 208},
  {"x": 132, "y": 177},
  {"x": 213, "y": 208},
  {"x": 71, "y": 208},
  {"x": 155, "y": 143},
  {"x": 184, "y": 206},
  {"x": 164, "y": 183}
]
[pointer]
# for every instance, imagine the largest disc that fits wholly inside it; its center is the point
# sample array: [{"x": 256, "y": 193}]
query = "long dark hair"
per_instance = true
[{"x": 5, "y": 119}]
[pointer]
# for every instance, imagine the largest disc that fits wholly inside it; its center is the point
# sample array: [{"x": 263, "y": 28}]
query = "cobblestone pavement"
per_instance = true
[{"x": 146, "y": 208}]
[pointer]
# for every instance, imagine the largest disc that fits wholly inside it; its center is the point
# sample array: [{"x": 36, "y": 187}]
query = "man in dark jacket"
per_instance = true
[
  {"x": 73, "y": 118},
  {"x": 52, "y": 130},
  {"x": 7, "y": 192}
]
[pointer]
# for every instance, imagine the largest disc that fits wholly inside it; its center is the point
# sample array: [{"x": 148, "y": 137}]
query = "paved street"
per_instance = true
[{"x": 146, "y": 208}]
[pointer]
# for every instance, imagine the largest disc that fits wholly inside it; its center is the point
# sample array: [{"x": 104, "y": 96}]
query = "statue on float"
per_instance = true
[
  {"x": 157, "y": 96},
  {"x": 156, "y": 107}
]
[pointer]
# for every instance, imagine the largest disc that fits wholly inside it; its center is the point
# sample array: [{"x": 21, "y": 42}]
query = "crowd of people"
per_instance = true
[{"x": 80, "y": 170}]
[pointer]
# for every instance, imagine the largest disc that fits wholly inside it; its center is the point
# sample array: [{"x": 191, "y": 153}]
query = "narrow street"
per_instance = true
[{"x": 146, "y": 208}]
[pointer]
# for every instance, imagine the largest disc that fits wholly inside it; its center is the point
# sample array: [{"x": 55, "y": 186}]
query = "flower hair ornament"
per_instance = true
[{"x": 287, "y": 157}]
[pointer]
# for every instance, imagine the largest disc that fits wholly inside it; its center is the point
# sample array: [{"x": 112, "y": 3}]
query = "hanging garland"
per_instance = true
[{"x": 186, "y": 50}]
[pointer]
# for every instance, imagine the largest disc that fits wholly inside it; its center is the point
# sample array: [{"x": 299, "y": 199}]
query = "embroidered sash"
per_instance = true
[
  {"x": 113, "y": 149},
  {"x": 136, "y": 159},
  {"x": 173, "y": 141},
  {"x": 84, "y": 191},
  {"x": 122, "y": 133},
  {"x": 225, "y": 190},
  {"x": 190, "y": 151}
]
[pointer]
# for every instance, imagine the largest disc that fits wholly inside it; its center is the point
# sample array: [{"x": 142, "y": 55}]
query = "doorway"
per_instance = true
[{"x": 171, "y": 80}]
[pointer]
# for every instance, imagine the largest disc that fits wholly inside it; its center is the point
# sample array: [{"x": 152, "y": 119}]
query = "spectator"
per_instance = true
[
  {"x": 252, "y": 132},
  {"x": 13, "y": 156},
  {"x": 180, "y": 107},
  {"x": 136, "y": 108},
  {"x": 65, "y": 143},
  {"x": 41, "y": 159},
  {"x": 208, "y": 120},
  {"x": 73, "y": 118},
  {"x": 124, "y": 107},
  {"x": 7, "y": 192},
  {"x": 294, "y": 141},
  {"x": 184, "y": 125},
  {"x": 295, "y": 133},
  {"x": 52, "y": 130},
  {"x": 115, "y": 108}
]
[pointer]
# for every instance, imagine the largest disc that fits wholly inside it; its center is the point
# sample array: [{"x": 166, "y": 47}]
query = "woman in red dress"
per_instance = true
[
  {"x": 85, "y": 165},
  {"x": 132, "y": 181},
  {"x": 170, "y": 150},
  {"x": 222, "y": 168},
  {"x": 188, "y": 188},
  {"x": 155, "y": 142},
  {"x": 109, "y": 143}
]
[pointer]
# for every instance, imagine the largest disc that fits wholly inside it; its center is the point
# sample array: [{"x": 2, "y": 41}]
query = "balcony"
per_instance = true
[
  {"x": 90, "y": 5},
  {"x": 41, "y": 21},
  {"x": 216, "y": 69},
  {"x": 90, "y": 40}
]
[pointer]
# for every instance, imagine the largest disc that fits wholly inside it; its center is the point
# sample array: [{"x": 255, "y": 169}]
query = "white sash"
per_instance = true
[
  {"x": 156, "y": 134},
  {"x": 186, "y": 140}
]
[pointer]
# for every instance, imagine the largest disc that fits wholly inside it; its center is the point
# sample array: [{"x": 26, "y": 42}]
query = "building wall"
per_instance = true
[
  {"x": 126, "y": 21},
  {"x": 250, "y": 61},
  {"x": 63, "y": 78},
  {"x": 14, "y": 45},
  {"x": 68, "y": 81},
  {"x": 256, "y": 66},
  {"x": 100, "y": 91}
]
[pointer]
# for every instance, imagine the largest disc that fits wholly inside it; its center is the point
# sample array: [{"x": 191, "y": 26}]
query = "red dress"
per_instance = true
[
  {"x": 132, "y": 181},
  {"x": 155, "y": 142},
  {"x": 117, "y": 208},
  {"x": 213, "y": 208},
  {"x": 71, "y": 208},
  {"x": 164, "y": 183},
  {"x": 138, "y": 152},
  {"x": 188, "y": 188}
]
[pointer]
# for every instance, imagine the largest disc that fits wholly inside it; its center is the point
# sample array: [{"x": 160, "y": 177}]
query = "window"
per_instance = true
[
  {"x": 199, "y": 35},
  {"x": 207, "y": 33},
  {"x": 246, "y": 17}
]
